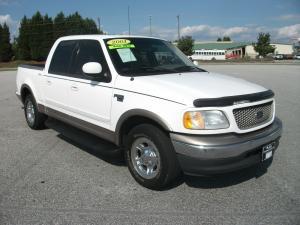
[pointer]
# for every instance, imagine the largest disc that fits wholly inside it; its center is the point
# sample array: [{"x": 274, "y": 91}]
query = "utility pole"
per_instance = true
[
  {"x": 128, "y": 14},
  {"x": 99, "y": 24},
  {"x": 178, "y": 27},
  {"x": 150, "y": 25}
]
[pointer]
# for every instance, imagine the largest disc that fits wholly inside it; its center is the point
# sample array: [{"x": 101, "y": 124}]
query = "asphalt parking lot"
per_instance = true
[{"x": 64, "y": 176}]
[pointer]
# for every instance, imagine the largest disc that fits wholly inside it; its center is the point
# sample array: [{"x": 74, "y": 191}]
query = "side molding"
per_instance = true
[{"x": 81, "y": 124}]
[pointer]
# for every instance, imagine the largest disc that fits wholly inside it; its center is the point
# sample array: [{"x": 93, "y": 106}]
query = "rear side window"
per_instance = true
[{"x": 62, "y": 58}]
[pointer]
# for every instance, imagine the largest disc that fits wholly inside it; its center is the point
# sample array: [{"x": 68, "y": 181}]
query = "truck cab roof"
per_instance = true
[{"x": 102, "y": 36}]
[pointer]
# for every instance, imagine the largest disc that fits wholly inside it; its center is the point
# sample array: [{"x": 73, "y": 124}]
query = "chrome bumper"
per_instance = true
[{"x": 226, "y": 152}]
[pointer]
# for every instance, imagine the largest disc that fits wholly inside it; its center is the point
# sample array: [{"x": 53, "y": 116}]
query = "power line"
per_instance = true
[
  {"x": 128, "y": 15},
  {"x": 150, "y": 25},
  {"x": 99, "y": 25},
  {"x": 178, "y": 27}
]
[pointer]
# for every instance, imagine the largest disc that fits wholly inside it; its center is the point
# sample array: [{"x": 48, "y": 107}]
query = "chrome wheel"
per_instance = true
[
  {"x": 30, "y": 113},
  {"x": 145, "y": 158}
]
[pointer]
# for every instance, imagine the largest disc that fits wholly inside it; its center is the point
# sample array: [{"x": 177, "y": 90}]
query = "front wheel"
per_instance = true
[{"x": 150, "y": 157}]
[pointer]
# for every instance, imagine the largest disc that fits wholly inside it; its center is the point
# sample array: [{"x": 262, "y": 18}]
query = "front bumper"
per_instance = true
[{"x": 213, "y": 154}]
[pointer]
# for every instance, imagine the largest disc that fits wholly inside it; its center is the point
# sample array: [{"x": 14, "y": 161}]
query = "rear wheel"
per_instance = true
[
  {"x": 150, "y": 157},
  {"x": 34, "y": 118}
]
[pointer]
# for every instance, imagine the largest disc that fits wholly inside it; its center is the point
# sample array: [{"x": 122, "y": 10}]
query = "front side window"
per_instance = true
[
  {"x": 147, "y": 56},
  {"x": 87, "y": 51}
]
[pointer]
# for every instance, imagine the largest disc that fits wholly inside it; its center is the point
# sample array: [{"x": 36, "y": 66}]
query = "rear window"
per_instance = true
[{"x": 62, "y": 58}]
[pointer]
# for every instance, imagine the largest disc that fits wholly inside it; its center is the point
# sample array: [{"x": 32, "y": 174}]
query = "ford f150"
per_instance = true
[{"x": 146, "y": 96}]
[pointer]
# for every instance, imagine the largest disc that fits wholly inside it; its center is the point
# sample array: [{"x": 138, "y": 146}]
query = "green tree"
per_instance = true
[
  {"x": 37, "y": 34},
  {"x": 226, "y": 38},
  {"x": 185, "y": 44},
  {"x": 91, "y": 27},
  {"x": 219, "y": 39},
  {"x": 1, "y": 37},
  {"x": 5, "y": 45},
  {"x": 59, "y": 26},
  {"x": 74, "y": 24},
  {"x": 14, "y": 47},
  {"x": 23, "y": 49},
  {"x": 47, "y": 33},
  {"x": 36, "y": 37},
  {"x": 262, "y": 46}
]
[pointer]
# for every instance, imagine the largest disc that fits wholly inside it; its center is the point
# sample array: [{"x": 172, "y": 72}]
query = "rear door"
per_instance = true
[
  {"x": 89, "y": 98},
  {"x": 56, "y": 82}
]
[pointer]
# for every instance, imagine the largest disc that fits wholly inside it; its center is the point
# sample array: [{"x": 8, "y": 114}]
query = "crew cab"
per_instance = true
[{"x": 144, "y": 95}]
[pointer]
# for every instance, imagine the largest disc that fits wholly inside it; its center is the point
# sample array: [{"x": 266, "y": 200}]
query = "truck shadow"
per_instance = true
[
  {"x": 89, "y": 143},
  {"x": 228, "y": 179},
  {"x": 110, "y": 153}
]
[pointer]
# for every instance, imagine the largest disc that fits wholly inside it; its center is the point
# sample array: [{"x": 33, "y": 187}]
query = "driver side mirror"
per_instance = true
[{"x": 92, "y": 69}]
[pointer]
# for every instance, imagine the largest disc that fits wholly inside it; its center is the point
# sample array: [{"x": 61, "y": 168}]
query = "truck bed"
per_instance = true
[{"x": 33, "y": 66}]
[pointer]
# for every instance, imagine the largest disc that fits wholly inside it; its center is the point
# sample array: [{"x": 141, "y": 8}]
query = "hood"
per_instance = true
[{"x": 186, "y": 87}]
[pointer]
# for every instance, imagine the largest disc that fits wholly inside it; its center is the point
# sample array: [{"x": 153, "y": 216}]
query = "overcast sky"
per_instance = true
[{"x": 203, "y": 20}]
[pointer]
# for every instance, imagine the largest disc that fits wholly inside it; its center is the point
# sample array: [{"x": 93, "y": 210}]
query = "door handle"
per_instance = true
[
  {"x": 49, "y": 82},
  {"x": 74, "y": 88}
]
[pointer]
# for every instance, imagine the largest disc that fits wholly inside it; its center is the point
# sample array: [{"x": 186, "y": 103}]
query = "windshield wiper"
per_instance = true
[
  {"x": 187, "y": 68},
  {"x": 156, "y": 69},
  {"x": 146, "y": 70}
]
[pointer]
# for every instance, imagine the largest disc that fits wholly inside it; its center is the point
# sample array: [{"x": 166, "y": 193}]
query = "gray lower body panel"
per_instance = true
[
  {"x": 208, "y": 154},
  {"x": 81, "y": 124}
]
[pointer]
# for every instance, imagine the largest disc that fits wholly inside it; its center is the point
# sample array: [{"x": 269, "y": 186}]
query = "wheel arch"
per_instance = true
[
  {"x": 25, "y": 90},
  {"x": 135, "y": 117}
]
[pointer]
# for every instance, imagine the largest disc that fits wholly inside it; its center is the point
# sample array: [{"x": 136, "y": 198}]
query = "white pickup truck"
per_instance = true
[{"x": 147, "y": 97}]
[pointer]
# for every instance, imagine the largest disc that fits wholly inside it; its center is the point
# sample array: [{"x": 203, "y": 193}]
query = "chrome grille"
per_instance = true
[{"x": 253, "y": 116}]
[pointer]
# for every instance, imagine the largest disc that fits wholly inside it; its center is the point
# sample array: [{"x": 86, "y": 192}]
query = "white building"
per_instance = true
[
  {"x": 233, "y": 50},
  {"x": 284, "y": 49}
]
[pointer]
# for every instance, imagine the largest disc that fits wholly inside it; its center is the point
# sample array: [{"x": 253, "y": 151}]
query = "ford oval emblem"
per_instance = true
[{"x": 259, "y": 115}]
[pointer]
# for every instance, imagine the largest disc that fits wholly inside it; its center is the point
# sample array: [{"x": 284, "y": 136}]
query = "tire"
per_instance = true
[
  {"x": 34, "y": 118},
  {"x": 148, "y": 147}
]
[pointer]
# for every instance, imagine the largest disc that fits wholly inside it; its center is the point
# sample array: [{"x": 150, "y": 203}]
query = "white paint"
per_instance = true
[{"x": 168, "y": 96}]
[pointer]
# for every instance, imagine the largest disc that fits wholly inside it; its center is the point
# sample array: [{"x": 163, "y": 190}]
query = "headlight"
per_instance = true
[{"x": 205, "y": 120}]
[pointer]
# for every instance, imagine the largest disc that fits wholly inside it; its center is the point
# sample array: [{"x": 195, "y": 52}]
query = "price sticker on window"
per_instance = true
[{"x": 120, "y": 43}]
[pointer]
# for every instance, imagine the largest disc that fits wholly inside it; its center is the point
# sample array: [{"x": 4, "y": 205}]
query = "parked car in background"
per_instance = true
[
  {"x": 288, "y": 56},
  {"x": 297, "y": 56},
  {"x": 278, "y": 57}
]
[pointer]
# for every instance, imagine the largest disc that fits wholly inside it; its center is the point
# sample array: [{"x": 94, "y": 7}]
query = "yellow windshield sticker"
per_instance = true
[{"x": 119, "y": 43}]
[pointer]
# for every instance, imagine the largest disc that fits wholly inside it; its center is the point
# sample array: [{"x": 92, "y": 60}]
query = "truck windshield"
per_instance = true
[{"x": 147, "y": 56}]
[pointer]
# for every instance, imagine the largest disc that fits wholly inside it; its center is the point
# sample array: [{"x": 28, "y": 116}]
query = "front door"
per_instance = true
[{"x": 90, "y": 99}]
